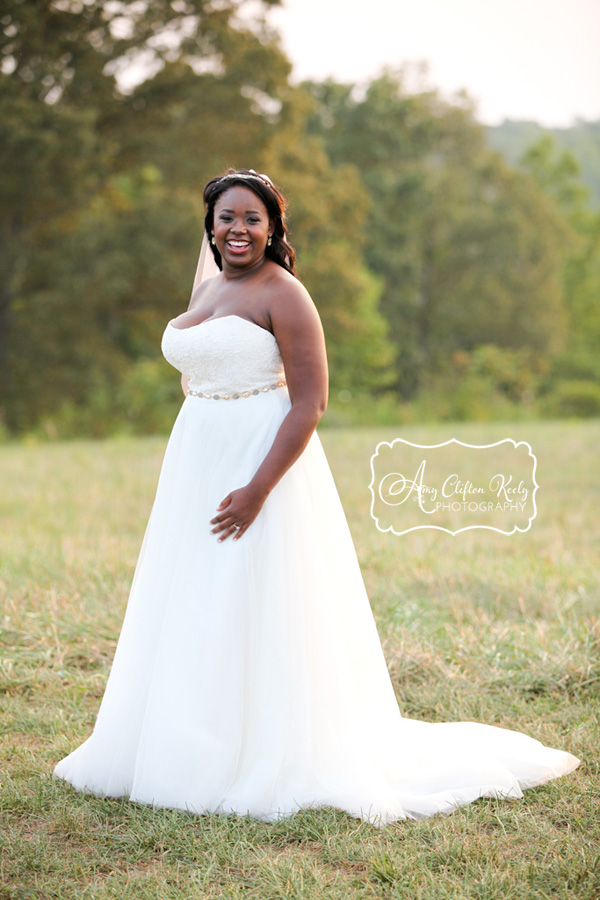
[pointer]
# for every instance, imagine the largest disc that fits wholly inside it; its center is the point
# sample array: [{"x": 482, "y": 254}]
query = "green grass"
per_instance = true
[{"x": 476, "y": 626}]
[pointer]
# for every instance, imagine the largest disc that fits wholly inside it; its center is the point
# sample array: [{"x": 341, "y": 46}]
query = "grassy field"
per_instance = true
[{"x": 478, "y": 626}]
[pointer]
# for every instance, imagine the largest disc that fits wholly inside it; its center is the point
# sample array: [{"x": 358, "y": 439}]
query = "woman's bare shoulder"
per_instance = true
[
  {"x": 297, "y": 326},
  {"x": 289, "y": 299}
]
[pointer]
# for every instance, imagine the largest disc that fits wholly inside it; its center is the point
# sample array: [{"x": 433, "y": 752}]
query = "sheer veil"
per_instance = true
[{"x": 207, "y": 266}]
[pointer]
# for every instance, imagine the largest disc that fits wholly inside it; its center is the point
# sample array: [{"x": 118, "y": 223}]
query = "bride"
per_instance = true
[{"x": 249, "y": 676}]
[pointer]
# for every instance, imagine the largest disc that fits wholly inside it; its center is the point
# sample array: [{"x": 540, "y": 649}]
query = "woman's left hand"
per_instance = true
[{"x": 239, "y": 508}]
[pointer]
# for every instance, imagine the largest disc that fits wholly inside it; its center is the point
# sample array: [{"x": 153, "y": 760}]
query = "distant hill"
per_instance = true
[{"x": 583, "y": 139}]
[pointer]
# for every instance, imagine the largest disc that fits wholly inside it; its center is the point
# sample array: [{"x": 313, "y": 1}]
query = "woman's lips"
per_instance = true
[{"x": 238, "y": 247}]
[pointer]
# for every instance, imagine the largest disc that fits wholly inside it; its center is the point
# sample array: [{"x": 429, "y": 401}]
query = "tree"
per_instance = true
[
  {"x": 469, "y": 251},
  {"x": 102, "y": 208},
  {"x": 73, "y": 145},
  {"x": 558, "y": 174},
  {"x": 582, "y": 139}
]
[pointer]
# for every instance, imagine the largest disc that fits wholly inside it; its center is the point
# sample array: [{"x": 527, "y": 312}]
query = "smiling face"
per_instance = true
[{"x": 241, "y": 227}]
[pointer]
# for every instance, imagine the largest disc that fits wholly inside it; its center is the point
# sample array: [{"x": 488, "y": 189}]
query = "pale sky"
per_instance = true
[{"x": 519, "y": 59}]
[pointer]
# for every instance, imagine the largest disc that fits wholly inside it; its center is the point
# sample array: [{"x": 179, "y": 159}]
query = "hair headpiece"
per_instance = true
[{"x": 250, "y": 174}]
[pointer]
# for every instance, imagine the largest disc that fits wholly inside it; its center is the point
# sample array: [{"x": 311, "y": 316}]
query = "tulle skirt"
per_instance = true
[{"x": 249, "y": 677}]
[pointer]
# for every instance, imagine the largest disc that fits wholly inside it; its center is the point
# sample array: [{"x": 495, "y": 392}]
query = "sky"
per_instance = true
[{"x": 518, "y": 59}]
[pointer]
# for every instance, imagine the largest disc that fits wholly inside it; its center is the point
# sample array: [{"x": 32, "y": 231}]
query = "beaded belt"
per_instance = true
[{"x": 238, "y": 394}]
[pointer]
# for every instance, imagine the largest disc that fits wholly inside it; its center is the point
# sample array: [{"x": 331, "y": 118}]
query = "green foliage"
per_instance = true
[
  {"x": 573, "y": 399},
  {"x": 95, "y": 296},
  {"x": 582, "y": 363},
  {"x": 468, "y": 250},
  {"x": 103, "y": 210},
  {"x": 145, "y": 401},
  {"x": 415, "y": 240},
  {"x": 149, "y": 397},
  {"x": 469, "y": 400},
  {"x": 353, "y": 409},
  {"x": 489, "y": 383},
  {"x": 582, "y": 140},
  {"x": 557, "y": 173},
  {"x": 513, "y": 373}
]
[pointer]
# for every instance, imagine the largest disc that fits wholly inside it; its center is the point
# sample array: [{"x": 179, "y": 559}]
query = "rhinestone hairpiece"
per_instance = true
[{"x": 264, "y": 178}]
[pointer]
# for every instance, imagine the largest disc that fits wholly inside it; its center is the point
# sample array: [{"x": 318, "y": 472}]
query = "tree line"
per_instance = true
[
  {"x": 444, "y": 276},
  {"x": 582, "y": 138}
]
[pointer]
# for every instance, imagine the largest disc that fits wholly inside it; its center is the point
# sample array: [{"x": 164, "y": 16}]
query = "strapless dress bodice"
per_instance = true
[{"x": 224, "y": 355}]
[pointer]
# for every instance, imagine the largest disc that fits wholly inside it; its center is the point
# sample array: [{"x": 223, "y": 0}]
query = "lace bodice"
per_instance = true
[{"x": 225, "y": 354}]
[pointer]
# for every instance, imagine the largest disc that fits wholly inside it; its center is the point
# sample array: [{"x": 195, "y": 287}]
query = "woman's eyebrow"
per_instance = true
[{"x": 255, "y": 211}]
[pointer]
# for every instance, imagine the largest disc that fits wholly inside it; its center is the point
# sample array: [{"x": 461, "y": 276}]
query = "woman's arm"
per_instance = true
[{"x": 299, "y": 333}]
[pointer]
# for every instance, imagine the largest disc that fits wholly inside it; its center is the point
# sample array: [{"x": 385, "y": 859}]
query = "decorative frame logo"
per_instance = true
[{"x": 493, "y": 486}]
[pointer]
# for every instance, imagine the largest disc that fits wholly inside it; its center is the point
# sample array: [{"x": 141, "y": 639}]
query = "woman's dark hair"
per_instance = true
[{"x": 280, "y": 251}]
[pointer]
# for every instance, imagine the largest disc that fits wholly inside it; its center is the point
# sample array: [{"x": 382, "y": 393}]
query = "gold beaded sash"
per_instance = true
[{"x": 237, "y": 394}]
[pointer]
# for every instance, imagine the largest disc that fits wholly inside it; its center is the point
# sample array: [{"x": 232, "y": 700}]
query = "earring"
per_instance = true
[
  {"x": 269, "y": 241},
  {"x": 212, "y": 240}
]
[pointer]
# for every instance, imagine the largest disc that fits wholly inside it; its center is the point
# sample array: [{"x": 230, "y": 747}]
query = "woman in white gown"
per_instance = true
[{"x": 249, "y": 676}]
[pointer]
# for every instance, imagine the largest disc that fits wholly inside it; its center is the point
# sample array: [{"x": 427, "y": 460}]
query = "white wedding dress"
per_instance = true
[{"x": 249, "y": 677}]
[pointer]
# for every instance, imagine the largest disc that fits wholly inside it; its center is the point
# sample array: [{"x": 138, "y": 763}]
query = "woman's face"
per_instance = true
[{"x": 241, "y": 226}]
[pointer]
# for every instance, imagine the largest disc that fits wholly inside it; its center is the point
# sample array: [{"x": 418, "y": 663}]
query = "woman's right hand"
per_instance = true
[{"x": 237, "y": 511}]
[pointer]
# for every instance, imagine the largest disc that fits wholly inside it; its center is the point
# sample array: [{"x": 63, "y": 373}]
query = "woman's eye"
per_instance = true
[{"x": 252, "y": 221}]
